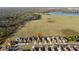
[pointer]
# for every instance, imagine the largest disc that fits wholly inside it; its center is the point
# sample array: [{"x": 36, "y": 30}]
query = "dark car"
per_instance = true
[
  {"x": 37, "y": 48},
  {"x": 55, "y": 48},
  {"x": 43, "y": 48},
  {"x": 49, "y": 49}
]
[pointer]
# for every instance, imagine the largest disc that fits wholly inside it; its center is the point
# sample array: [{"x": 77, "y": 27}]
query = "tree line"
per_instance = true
[{"x": 9, "y": 24}]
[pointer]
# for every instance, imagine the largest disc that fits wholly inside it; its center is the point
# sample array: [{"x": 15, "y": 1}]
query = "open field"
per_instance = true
[{"x": 50, "y": 25}]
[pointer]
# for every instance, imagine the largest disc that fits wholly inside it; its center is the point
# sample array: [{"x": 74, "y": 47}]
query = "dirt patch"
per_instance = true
[
  {"x": 51, "y": 21},
  {"x": 69, "y": 32}
]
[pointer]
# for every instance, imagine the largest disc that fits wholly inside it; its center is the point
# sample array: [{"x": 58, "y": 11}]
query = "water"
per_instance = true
[{"x": 63, "y": 13}]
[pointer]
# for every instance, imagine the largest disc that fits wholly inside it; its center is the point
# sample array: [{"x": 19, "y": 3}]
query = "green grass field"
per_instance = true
[{"x": 50, "y": 25}]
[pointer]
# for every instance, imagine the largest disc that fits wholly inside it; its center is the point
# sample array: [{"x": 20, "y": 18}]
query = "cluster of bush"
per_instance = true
[{"x": 74, "y": 38}]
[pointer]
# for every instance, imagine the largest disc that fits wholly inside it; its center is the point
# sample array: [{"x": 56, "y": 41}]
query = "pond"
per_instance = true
[{"x": 63, "y": 13}]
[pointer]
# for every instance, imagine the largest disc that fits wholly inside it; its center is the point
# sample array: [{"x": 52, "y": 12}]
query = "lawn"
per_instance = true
[{"x": 49, "y": 25}]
